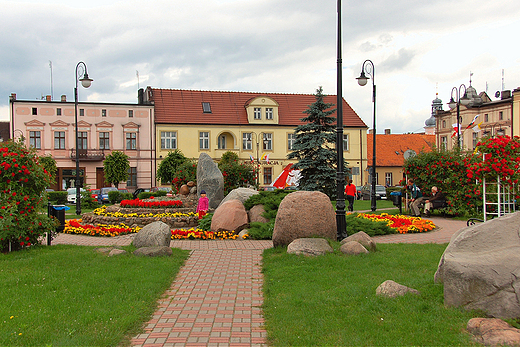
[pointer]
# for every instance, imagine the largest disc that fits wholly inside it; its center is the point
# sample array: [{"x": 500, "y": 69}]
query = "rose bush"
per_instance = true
[{"x": 23, "y": 217}]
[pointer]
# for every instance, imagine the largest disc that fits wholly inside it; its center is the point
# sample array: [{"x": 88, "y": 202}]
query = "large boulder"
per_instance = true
[
  {"x": 255, "y": 214},
  {"x": 304, "y": 214},
  {"x": 154, "y": 234},
  {"x": 363, "y": 238},
  {"x": 210, "y": 179},
  {"x": 480, "y": 268},
  {"x": 309, "y": 247},
  {"x": 241, "y": 194},
  {"x": 493, "y": 332},
  {"x": 231, "y": 215},
  {"x": 353, "y": 248}
]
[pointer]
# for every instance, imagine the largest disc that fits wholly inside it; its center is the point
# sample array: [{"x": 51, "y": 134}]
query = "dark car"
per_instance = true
[
  {"x": 139, "y": 190},
  {"x": 103, "y": 194},
  {"x": 367, "y": 189}
]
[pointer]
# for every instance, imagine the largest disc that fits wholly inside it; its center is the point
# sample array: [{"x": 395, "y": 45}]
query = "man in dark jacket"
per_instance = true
[{"x": 436, "y": 200}]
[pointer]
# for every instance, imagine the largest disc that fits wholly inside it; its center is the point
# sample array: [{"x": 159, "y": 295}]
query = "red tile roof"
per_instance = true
[
  {"x": 390, "y": 148},
  {"x": 185, "y": 107}
]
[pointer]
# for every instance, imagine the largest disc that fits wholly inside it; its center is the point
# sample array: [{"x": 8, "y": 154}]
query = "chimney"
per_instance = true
[
  {"x": 506, "y": 94},
  {"x": 64, "y": 98},
  {"x": 388, "y": 131},
  {"x": 140, "y": 96},
  {"x": 13, "y": 96},
  {"x": 48, "y": 98},
  {"x": 370, "y": 131}
]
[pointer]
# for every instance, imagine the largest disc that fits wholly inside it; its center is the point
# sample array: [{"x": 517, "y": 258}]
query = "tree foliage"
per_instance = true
[
  {"x": 186, "y": 172},
  {"x": 49, "y": 164},
  {"x": 169, "y": 166},
  {"x": 116, "y": 166},
  {"x": 23, "y": 217},
  {"x": 314, "y": 147},
  {"x": 236, "y": 174}
]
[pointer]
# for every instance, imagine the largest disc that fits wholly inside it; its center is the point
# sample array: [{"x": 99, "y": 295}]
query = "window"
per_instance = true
[
  {"x": 269, "y": 113},
  {"x": 104, "y": 140},
  {"x": 203, "y": 140},
  {"x": 103, "y": 113},
  {"x": 268, "y": 175},
  {"x": 81, "y": 112},
  {"x": 59, "y": 140},
  {"x": 168, "y": 140},
  {"x": 268, "y": 142},
  {"x": 35, "y": 139},
  {"x": 500, "y": 115},
  {"x": 206, "y": 107},
  {"x": 290, "y": 141},
  {"x": 222, "y": 142},
  {"x": 130, "y": 113},
  {"x": 345, "y": 142},
  {"x": 475, "y": 140},
  {"x": 58, "y": 111},
  {"x": 444, "y": 142},
  {"x": 82, "y": 140},
  {"x": 257, "y": 113},
  {"x": 34, "y": 111},
  {"x": 247, "y": 141},
  {"x": 132, "y": 177},
  {"x": 444, "y": 123},
  {"x": 131, "y": 140},
  {"x": 355, "y": 171},
  {"x": 486, "y": 118},
  {"x": 388, "y": 179}
]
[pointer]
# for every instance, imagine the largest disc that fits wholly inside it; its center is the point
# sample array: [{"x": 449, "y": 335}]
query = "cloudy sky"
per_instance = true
[{"x": 286, "y": 46}]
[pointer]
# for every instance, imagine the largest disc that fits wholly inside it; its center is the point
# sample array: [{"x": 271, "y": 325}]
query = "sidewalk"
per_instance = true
[{"x": 217, "y": 296}]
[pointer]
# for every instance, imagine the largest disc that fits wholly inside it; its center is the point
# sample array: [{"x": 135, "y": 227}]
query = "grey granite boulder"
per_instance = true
[
  {"x": 392, "y": 289},
  {"x": 353, "y": 248},
  {"x": 210, "y": 179},
  {"x": 363, "y": 239},
  {"x": 154, "y": 234},
  {"x": 156, "y": 251},
  {"x": 309, "y": 246},
  {"x": 240, "y": 194}
]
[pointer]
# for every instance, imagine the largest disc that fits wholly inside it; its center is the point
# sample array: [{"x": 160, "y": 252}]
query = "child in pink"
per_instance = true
[{"x": 203, "y": 205}]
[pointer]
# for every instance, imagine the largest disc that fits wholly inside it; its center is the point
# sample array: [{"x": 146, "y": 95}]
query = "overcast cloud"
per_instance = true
[{"x": 261, "y": 46}]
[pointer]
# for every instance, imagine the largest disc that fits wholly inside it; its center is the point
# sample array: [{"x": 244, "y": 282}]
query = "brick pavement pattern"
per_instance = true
[{"x": 217, "y": 296}]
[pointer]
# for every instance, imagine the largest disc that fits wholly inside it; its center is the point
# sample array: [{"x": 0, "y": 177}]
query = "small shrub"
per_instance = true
[
  {"x": 114, "y": 197},
  {"x": 205, "y": 222},
  {"x": 261, "y": 231},
  {"x": 372, "y": 228},
  {"x": 57, "y": 198},
  {"x": 87, "y": 201}
]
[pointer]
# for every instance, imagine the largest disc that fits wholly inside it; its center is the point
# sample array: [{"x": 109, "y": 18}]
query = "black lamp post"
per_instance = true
[
  {"x": 456, "y": 102},
  {"x": 85, "y": 82},
  {"x": 362, "y": 80},
  {"x": 250, "y": 141},
  {"x": 340, "y": 175}
]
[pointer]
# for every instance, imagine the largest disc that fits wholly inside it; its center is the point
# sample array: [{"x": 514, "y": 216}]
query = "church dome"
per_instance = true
[{"x": 430, "y": 122}]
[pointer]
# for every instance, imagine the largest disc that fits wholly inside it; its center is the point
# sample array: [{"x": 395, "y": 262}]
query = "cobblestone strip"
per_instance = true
[{"x": 215, "y": 301}]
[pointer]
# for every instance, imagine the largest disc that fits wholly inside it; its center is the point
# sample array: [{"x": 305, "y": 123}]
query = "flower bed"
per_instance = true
[
  {"x": 74, "y": 226},
  {"x": 402, "y": 224},
  {"x": 151, "y": 204}
]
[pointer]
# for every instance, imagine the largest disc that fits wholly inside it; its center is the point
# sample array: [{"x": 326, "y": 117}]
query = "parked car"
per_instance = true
[
  {"x": 367, "y": 189},
  {"x": 123, "y": 190},
  {"x": 268, "y": 188},
  {"x": 139, "y": 190},
  {"x": 103, "y": 194},
  {"x": 94, "y": 193},
  {"x": 71, "y": 195}
]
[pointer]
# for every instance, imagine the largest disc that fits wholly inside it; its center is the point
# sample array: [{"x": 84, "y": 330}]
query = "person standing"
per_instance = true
[
  {"x": 203, "y": 205},
  {"x": 350, "y": 191}
]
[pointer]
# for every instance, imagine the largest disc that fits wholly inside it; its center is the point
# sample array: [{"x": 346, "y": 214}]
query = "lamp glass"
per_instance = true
[
  {"x": 452, "y": 103},
  {"x": 465, "y": 100},
  {"x": 85, "y": 81},
  {"x": 362, "y": 80}
]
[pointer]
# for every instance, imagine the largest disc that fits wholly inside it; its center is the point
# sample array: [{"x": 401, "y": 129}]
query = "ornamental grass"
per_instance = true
[{"x": 402, "y": 224}]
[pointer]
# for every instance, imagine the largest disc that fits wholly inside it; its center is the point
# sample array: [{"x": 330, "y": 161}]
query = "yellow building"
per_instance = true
[
  {"x": 516, "y": 112},
  {"x": 258, "y": 126}
]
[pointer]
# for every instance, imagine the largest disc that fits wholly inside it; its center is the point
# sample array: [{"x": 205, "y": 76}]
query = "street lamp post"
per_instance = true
[
  {"x": 250, "y": 141},
  {"x": 85, "y": 82},
  {"x": 362, "y": 80},
  {"x": 340, "y": 175},
  {"x": 456, "y": 102}
]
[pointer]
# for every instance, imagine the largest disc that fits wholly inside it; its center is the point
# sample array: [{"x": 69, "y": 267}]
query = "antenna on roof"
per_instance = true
[
  {"x": 137, "y": 74},
  {"x": 503, "y": 85},
  {"x": 50, "y": 65}
]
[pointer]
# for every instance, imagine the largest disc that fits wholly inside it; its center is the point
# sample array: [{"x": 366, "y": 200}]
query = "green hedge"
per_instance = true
[
  {"x": 116, "y": 197},
  {"x": 57, "y": 198}
]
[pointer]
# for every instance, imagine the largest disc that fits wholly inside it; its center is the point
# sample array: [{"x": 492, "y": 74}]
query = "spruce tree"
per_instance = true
[{"x": 314, "y": 147}]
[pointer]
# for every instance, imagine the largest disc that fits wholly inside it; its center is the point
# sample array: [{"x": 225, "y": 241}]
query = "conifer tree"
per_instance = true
[{"x": 314, "y": 147}]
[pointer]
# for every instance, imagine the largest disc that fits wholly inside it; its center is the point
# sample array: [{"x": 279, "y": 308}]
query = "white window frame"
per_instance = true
[
  {"x": 257, "y": 113},
  {"x": 59, "y": 140},
  {"x": 346, "y": 142},
  {"x": 291, "y": 139},
  {"x": 388, "y": 179},
  {"x": 247, "y": 141},
  {"x": 203, "y": 139},
  {"x": 35, "y": 139},
  {"x": 269, "y": 145},
  {"x": 269, "y": 113},
  {"x": 168, "y": 140}
]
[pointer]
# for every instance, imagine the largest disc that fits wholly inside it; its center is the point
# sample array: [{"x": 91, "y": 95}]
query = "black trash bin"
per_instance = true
[
  {"x": 57, "y": 211},
  {"x": 397, "y": 200}
]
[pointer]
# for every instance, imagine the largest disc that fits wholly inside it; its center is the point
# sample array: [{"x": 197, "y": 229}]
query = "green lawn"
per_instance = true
[
  {"x": 330, "y": 300},
  {"x": 68, "y": 295}
]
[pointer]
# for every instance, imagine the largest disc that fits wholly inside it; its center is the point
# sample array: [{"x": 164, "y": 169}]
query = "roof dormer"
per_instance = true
[{"x": 262, "y": 110}]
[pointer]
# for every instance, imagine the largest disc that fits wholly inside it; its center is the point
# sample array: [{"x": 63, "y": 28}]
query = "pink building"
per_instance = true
[{"x": 49, "y": 126}]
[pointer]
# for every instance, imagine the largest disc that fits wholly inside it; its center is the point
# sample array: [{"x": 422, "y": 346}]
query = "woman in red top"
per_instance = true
[{"x": 350, "y": 191}]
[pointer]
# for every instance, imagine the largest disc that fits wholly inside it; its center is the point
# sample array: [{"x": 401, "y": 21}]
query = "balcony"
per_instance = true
[{"x": 88, "y": 154}]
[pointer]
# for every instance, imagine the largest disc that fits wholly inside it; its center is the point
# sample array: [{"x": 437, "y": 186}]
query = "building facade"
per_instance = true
[
  {"x": 258, "y": 127},
  {"x": 49, "y": 126},
  {"x": 481, "y": 118}
]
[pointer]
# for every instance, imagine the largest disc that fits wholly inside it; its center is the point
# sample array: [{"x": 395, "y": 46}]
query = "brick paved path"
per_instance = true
[{"x": 216, "y": 298}]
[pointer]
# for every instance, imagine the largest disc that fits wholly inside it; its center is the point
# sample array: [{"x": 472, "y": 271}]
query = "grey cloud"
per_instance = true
[{"x": 397, "y": 61}]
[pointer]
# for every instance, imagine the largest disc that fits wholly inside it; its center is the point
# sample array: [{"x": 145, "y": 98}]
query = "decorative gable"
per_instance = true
[
  {"x": 131, "y": 127},
  {"x": 59, "y": 123},
  {"x": 104, "y": 124},
  {"x": 34, "y": 123},
  {"x": 262, "y": 110}
]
